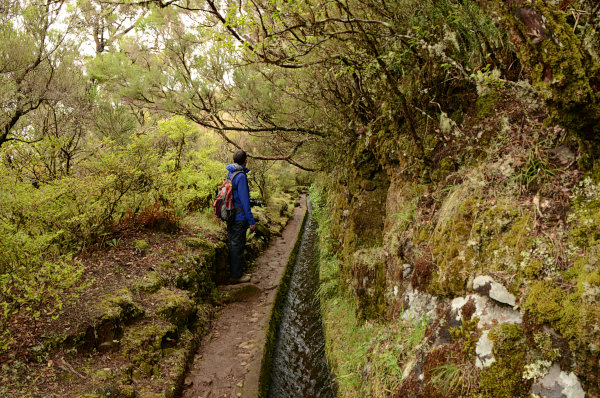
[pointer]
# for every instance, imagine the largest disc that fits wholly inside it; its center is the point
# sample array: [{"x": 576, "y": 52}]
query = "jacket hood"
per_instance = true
[{"x": 232, "y": 168}]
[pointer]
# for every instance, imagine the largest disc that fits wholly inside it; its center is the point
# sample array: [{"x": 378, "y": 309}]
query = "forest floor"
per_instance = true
[{"x": 229, "y": 358}]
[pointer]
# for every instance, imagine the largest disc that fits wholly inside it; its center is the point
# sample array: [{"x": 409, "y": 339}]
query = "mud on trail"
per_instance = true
[{"x": 229, "y": 357}]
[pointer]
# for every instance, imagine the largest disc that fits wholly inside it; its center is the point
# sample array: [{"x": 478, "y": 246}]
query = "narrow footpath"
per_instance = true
[{"x": 229, "y": 358}]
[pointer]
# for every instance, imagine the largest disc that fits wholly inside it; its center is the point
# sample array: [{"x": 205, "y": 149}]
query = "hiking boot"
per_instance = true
[{"x": 242, "y": 279}]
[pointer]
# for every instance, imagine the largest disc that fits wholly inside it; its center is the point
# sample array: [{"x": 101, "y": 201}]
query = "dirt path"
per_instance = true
[{"x": 229, "y": 358}]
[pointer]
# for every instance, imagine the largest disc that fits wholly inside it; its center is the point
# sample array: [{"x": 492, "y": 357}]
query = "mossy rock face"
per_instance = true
[
  {"x": 262, "y": 230},
  {"x": 445, "y": 167},
  {"x": 560, "y": 55},
  {"x": 472, "y": 235},
  {"x": 504, "y": 378},
  {"x": 568, "y": 300},
  {"x": 149, "y": 394},
  {"x": 368, "y": 281},
  {"x": 174, "y": 305},
  {"x": 204, "y": 250},
  {"x": 151, "y": 282},
  {"x": 367, "y": 216},
  {"x": 575, "y": 313},
  {"x": 456, "y": 258},
  {"x": 143, "y": 344},
  {"x": 281, "y": 204}
]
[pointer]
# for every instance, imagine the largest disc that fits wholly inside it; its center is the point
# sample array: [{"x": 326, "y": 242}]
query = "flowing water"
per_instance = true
[{"x": 299, "y": 366}]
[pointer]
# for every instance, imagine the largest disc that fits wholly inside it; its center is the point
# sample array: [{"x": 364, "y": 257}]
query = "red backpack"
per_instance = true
[{"x": 224, "y": 208}]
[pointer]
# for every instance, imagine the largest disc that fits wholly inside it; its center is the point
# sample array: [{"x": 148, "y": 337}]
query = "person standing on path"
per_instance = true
[{"x": 236, "y": 229}]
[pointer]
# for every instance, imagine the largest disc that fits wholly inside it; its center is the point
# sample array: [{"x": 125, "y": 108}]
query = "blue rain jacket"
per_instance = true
[{"x": 241, "y": 193}]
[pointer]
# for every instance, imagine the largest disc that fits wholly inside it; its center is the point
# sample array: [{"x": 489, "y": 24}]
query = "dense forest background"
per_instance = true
[{"x": 116, "y": 114}]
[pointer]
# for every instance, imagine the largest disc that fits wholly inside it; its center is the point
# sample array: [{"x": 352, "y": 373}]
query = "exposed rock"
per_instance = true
[
  {"x": 406, "y": 270},
  {"x": 558, "y": 384},
  {"x": 484, "y": 351},
  {"x": 484, "y": 284},
  {"x": 490, "y": 315},
  {"x": 419, "y": 304},
  {"x": 487, "y": 311}
]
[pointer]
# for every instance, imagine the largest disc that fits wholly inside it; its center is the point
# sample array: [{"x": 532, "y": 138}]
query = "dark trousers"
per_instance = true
[{"x": 236, "y": 239}]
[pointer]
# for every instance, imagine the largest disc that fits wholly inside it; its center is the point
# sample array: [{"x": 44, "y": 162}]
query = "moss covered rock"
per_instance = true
[
  {"x": 195, "y": 273},
  {"x": 151, "y": 282},
  {"x": 504, "y": 378},
  {"x": 143, "y": 344},
  {"x": 174, "y": 305},
  {"x": 118, "y": 307}
]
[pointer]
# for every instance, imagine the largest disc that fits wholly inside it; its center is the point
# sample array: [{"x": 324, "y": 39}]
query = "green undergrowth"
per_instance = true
[{"x": 367, "y": 358}]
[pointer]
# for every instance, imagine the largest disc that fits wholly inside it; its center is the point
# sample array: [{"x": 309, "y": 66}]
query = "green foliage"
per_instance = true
[
  {"x": 536, "y": 170},
  {"x": 154, "y": 177}
]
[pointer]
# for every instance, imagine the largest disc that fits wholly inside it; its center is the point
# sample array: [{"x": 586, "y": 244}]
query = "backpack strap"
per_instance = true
[{"x": 235, "y": 173}]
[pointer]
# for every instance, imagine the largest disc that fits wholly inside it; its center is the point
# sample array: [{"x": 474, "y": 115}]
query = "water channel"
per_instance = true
[{"x": 300, "y": 369}]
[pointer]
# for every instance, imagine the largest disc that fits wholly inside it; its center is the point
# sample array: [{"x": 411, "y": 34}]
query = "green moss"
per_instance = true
[
  {"x": 118, "y": 307},
  {"x": 196, "y": 274},
  {"x": 141, "y": 246},
  {"x": 533, "y": 269},
  {"x": 504, "y": 378},
  {"x": 150, "y": 283},
  {"x": 544, "y": 301},
  {"x": 486, "y": 104},
  {"x": 543, "y": 343},
  {"x": 472, "y": 235},
  {"x": 174, "y": 305},
  {"x": 456, "y": 260},
  {"x": 368, "y": 281},
  {"x": 466, "y": 335},
  {"x": 197, "y": 243},
  {"x": 575, "y": 314},
  {"x": 445, "y": 167},
  {"x": 143, "y": 344},
  {"x": 560, "y": 68},
  {"x": 113, "y": 391}
]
